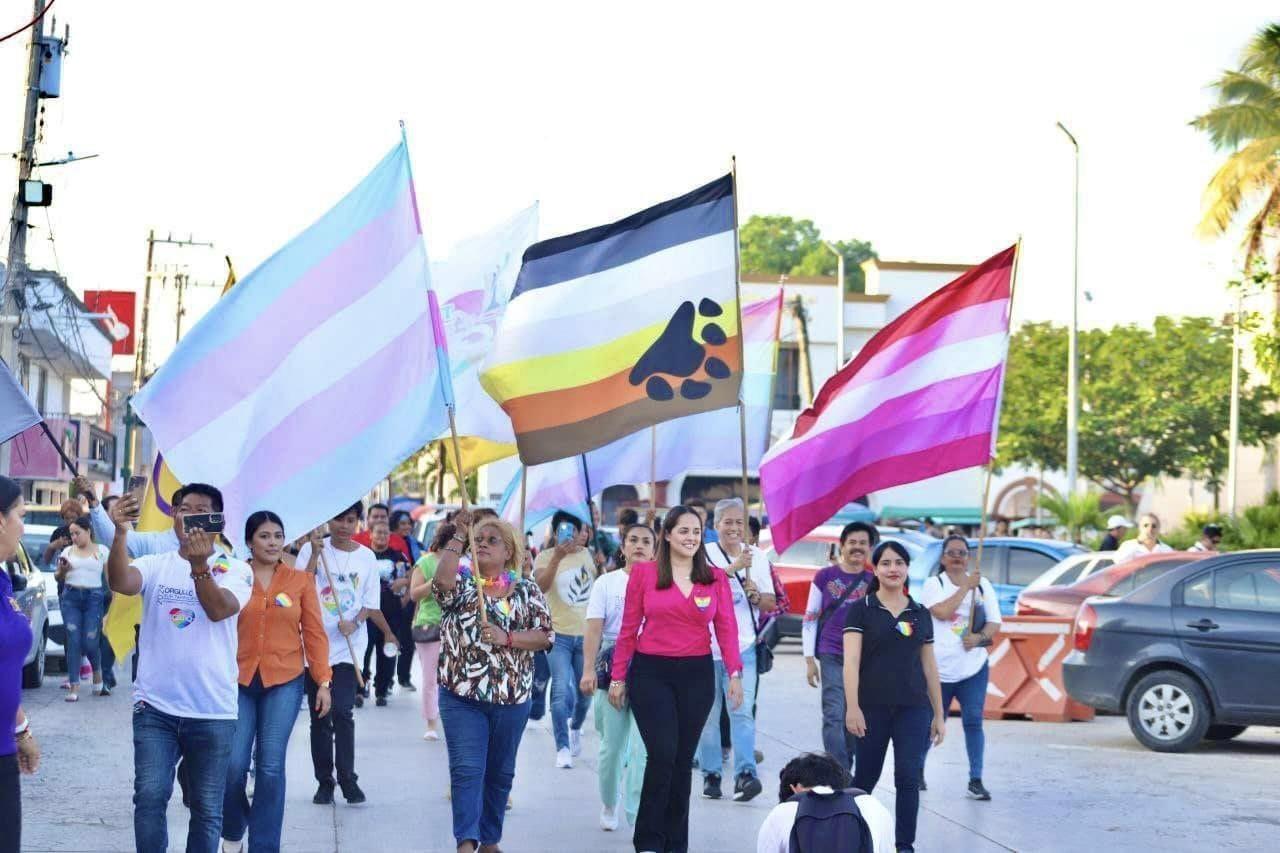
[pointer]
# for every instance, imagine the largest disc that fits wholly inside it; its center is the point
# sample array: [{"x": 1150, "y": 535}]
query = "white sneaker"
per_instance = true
[
  {"x": 608, "y": 818},
  {"x": 232, "y": 846},
  {"x": 430, "y": 734},
  {"x": 564, "y": 758},
  {"x": 575, "y": 742}
]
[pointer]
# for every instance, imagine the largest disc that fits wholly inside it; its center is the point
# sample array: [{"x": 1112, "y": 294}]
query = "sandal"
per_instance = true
[{"x": 71, "y": 697}]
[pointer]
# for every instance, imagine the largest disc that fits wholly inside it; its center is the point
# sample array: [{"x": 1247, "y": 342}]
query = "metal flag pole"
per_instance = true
[
  {"x": 333, "y": 590},
  {"x": 524, "y": 542},
  {"x": 986, "y": 489},
  {"x": 653, "y": 469},
  {"x": 742, "y": 358},
  {"x": 445, "y": 372}
]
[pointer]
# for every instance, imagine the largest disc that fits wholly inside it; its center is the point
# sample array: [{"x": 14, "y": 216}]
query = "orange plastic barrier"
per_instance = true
[{"x": 1026, "y": 671}]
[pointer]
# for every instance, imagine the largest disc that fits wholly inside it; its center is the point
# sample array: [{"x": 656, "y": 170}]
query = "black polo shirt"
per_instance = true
[{"x": 891, "y": 672}]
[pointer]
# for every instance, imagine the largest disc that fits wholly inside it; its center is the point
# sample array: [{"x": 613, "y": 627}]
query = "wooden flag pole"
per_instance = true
[
  {"x": 351, "y": 649},
  {"x": 742, "y": 357},
  {"x": 471, "y": 528},
  {"x": 986, "y": 489},
  {"x": 524, "y": 541},
  {"x": 653, "y": 470}
]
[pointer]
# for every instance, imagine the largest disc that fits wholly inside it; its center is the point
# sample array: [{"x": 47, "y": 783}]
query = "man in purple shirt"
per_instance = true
[{"x": 834, "y": 589}]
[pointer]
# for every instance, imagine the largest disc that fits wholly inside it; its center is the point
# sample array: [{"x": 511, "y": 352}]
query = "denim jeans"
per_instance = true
[
  {"x": 482, "y": 739},
  {"x": 972, "y": 693},
  {"x": 82, "y": 616},
  {"x": 568, "y": 706},
  {"x": 541, "y": 675},
  {"x": 267, "y": 715},
  {"x": 836, "y": 737},
  {"x": 159, "y": 740},
  {"x": 742, "y": 726},
  {"x": 908, "y": 727}
]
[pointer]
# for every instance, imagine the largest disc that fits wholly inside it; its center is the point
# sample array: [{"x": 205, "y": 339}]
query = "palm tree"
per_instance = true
[
  {"x": 1246, "y": 122},
  {"x": 1074, "y": 512}
]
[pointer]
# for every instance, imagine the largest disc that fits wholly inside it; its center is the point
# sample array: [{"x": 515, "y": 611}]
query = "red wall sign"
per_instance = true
[{"x": 122, "y": 304}]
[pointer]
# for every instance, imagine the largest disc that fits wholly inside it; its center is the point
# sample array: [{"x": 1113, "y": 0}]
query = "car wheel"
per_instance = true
[
  {"x": 1223, "y": 732},
  {"x": 33, "y": 673},
  {"x": 1168, "y": 711}
]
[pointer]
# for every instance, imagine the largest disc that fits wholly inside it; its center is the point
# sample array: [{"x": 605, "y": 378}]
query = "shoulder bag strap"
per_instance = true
[{"x": 831, "y": 608}]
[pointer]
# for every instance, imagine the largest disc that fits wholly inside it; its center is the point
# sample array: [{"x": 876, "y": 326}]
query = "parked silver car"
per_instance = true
[{"x": 29, "y": 589}]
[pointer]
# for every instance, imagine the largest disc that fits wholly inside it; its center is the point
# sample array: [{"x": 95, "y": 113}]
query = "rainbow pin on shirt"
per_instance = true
[
  {"x": 905, "y": 628},
  {"x": 283, "y": 600},
  {"x": 702, "y": 602}
]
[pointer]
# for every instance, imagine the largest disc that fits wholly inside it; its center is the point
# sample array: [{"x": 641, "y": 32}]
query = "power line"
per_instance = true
[{"x": 29, "y": 24}]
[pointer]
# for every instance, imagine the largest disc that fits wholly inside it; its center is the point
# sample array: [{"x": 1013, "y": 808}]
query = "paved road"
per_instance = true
[{"x": 1083, "y": 786}]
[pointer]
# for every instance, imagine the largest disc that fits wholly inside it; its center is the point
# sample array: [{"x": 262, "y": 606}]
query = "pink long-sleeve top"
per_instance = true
[{"x": 674, "y": 625}]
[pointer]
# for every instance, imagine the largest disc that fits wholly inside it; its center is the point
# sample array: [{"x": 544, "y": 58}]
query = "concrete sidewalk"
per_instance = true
[{"x": 1056, "y": 787}]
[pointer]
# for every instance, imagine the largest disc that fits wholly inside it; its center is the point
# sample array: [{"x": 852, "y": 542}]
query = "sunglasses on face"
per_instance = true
[{"x": 491, "y": 541}]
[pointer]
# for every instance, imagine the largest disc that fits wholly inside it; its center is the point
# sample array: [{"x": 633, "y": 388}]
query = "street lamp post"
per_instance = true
[
  {"x": 1073, "y": 367},
  {"x": 839, "y": 305}
]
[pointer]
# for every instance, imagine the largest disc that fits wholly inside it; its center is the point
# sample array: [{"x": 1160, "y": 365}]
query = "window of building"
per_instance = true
[{"x": 786, "y": 385}]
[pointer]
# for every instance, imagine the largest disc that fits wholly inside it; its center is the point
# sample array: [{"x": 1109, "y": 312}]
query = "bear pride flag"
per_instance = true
[{"x": 619, "y": 327}]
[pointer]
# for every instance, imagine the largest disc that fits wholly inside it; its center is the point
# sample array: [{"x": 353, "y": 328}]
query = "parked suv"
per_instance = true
[
  {"x": 28, "y": 588},
  {"x": 1189, "y": 656}
]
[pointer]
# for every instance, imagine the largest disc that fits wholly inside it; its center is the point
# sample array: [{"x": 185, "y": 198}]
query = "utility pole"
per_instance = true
[
  {"x": 132, "y": 464},
  {"x": 16, "y": 266},
  {"x": 1233, "y": 446},
  {"x": 1073, "y": 364},
  {"x": 839, "y": 305},
  {"x": 181, "y": 281},
  {"x": 802, "y": 337}
]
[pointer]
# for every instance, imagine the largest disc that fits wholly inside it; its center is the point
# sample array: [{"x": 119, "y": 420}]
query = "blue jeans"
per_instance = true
[
  {"x": 267, "y": 715},
  {"x": 908, "y": 727},
  {"x": 541, "y": 675},
  {"x": 82, "y": 616},
  {"x": 159, "y": 740},
  {"x": 742, "y": 724},
  {"x": 482, "y": 738},
  {"x": 972, "y": 693},
  {"x": 568, "y": 706}
]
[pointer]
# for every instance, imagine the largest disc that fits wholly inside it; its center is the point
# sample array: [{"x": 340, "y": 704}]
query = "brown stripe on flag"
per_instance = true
[{"x": 547, "y": 445}]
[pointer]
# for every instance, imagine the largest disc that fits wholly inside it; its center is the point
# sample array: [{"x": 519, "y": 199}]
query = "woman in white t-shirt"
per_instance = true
[
  {"x": 604, "y": 618},
  {"x": 80, "y": 567},
  {"x": 960, "y": 642}
]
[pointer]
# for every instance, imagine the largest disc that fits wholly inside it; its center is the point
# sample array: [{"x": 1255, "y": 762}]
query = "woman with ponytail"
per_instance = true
[
  {"x": 18, "y": 749},
  {"x": 891, "y": 685}
]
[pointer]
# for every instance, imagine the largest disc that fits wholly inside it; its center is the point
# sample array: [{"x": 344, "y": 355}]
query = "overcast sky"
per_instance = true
[{"x": 926, "y": 128}]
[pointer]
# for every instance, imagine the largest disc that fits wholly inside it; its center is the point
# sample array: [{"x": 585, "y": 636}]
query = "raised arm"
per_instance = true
[{"x": 121, "y": 576}]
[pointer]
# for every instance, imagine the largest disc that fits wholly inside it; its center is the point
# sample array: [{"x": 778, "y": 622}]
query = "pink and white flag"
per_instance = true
[{"x": 922, "y": 398}]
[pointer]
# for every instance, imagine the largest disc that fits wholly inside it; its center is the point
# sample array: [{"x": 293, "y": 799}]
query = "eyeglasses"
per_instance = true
[
  {"x": 954, "y": 553},
  {"x": 491, "y": 541}
]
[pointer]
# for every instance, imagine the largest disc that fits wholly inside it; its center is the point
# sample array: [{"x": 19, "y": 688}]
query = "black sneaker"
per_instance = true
[
  {"x": 746, "y": 787},
  {"x": 351, "y": 792},
  {"x": 381, "y": 701},
  {"x": 408, "y": 685},
  {"x": 711, "y": 786},
  {"x": 978, "y": 791},
  {"x": 324, "y": 794},
  {"x": 359, "y": 700}
]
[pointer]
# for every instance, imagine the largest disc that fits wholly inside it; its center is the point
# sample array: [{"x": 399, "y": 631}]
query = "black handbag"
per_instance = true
[
  {"x": 604, "y": 668},
  {"x": 764, "y": 652},
  {"x": 426, "y": 633}
]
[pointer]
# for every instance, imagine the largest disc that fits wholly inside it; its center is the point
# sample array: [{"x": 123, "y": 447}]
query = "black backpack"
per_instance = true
[{"x": 830, "y": 822}]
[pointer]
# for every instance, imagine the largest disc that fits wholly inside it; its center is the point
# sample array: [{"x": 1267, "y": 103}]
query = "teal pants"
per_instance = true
[{"x": 622, "y": 756}]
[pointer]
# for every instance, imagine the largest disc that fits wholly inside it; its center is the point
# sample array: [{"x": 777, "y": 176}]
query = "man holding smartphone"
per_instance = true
[
  {"x": 566, "y": 574},
  {"x": 185, "y": 693}
]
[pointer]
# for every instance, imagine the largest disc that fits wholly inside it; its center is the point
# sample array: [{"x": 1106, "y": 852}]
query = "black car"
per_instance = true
[{"x": 1192, "y": 655}]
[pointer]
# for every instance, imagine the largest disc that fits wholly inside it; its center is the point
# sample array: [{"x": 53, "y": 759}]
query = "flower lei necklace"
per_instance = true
[{"x": 498, "y": 585}]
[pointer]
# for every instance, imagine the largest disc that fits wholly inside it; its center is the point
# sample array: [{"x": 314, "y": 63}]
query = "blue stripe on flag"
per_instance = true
[
  {"x": 254, "y": 293},
  {"x": 706, "y": 211}
]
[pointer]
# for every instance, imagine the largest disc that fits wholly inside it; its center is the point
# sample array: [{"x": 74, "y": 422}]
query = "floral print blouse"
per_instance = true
[{"x": 473, "y": 669}]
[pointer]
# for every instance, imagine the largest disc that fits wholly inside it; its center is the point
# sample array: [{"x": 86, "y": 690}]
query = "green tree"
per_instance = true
[
  {"x": 781, "y": 245},
  {"x": 1246, "y": 122},
  {"x": 1075, "y": 512},
  {"x": 1033, "y": 419}
]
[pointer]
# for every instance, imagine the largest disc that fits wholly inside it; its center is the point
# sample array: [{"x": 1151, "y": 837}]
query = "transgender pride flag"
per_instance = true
[
  {"x": 922, "y": 398},
  {"x": 318, "y": 372}
]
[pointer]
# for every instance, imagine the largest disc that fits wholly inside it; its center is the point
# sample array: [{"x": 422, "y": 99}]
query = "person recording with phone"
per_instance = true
[
  {"x": 185, "y": 695},
  {"x": 565, "y": 574},
  {"x": 966, "y": 618},
  {"x": 104, "y": 528}
]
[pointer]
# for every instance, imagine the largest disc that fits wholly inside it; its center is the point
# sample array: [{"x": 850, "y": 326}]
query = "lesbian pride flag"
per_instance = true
[
  {"x": 922, "y": 398},
  {"x": 318, "y": 372}
]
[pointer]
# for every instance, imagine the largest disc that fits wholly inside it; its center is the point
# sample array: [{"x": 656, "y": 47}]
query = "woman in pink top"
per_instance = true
[{"x": 662, "y": 661}]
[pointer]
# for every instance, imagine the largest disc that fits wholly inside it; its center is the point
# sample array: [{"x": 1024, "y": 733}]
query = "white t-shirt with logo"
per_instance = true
[
  {"x": 954, "y": 662},
  {"x": 355, "y": 585},
  {"x": 186, "y": 662},
  {"x": 742, "y": 610},
  {"x": 607, "y": 599}
]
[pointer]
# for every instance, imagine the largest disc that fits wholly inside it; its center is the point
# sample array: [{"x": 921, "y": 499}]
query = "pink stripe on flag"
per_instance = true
[
  {"x": 883, "y": 474},
  {"x": 898, "y": 427},
  {"x": 336, "y": 415},
  {"x": 345, "y": 275},
  {"x": 974, "y": 321}
]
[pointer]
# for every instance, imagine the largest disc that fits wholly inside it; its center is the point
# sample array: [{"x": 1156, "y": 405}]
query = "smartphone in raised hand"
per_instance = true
[{"x": 138, "y": 489}]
